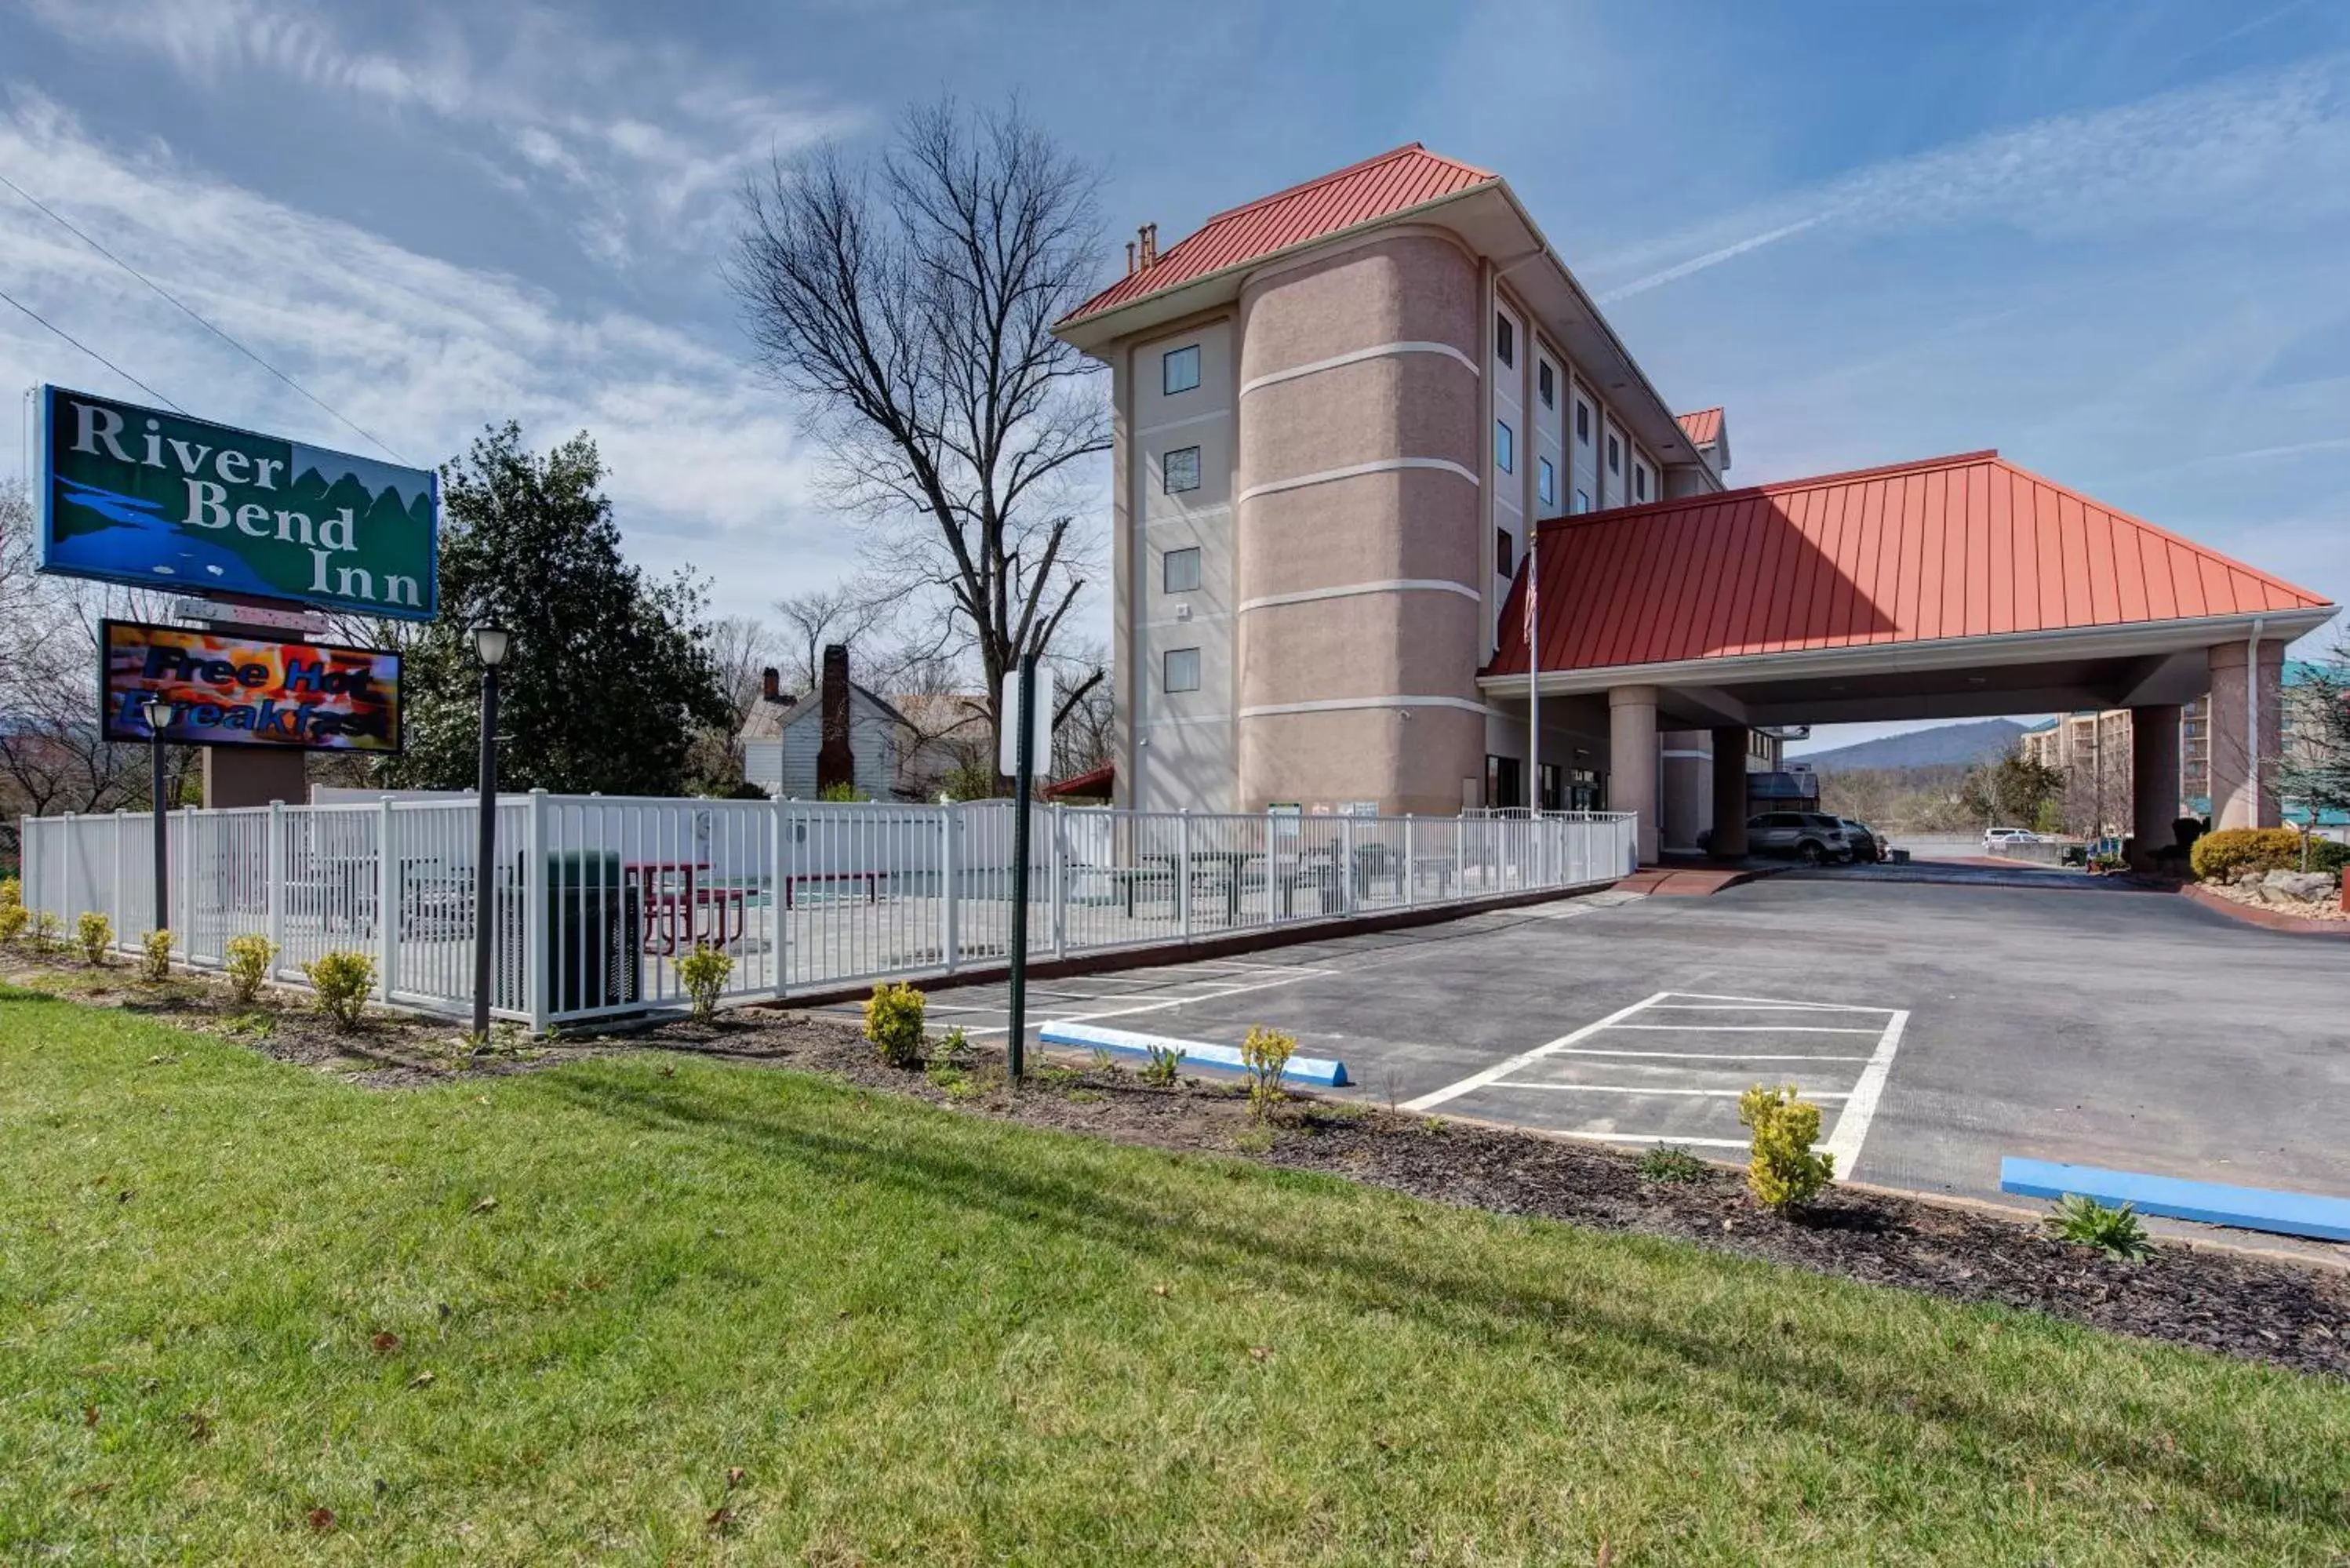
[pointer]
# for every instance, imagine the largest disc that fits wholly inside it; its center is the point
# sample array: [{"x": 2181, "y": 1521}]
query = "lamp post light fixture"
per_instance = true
[
  {"x": 156, "y": 709},
  {"x": 491, "y": 645}
]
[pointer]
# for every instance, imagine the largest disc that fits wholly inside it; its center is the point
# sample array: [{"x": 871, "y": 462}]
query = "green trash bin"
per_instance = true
[{"x": 595, "y": 932}]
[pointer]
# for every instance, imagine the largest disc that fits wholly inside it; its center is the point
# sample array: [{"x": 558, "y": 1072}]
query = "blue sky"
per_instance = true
[{"x": 2107, "y": 238}]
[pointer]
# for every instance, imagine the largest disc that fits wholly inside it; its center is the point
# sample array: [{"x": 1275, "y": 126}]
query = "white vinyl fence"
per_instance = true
[{"x": 598, "y": 897}]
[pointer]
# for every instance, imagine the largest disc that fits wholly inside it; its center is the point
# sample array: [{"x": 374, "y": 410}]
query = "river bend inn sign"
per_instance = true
[{"x": 157, "y": 500}]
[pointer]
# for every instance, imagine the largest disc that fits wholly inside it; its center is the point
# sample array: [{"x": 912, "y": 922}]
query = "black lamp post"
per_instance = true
[
  {"x": 490, "y": 645},
  {"x": 157, "y": 711}
]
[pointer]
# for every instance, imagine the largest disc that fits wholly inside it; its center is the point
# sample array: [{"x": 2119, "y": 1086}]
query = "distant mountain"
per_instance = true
[{"x": 1945, "y": 745}]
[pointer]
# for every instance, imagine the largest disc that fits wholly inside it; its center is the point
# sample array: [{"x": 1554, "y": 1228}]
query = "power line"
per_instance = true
[
  {"x": 92, "y": 352},
  {"x": 191, "y": 316}
]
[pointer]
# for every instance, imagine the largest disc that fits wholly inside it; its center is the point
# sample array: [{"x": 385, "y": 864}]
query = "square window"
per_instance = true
[
  {"x": 1179, "y": 570},
  {"x": 1183, "y": 468},
  {"x": 1505, "y": 552},
  {"x": 1583, "y": 421},
  {"x": 1546, "y": 383},
  {"x": 1179, "y": 369},
  {"x": 1614, "y": 456},
  {"x": 1505, "y": 340},
  {"x": 1546, "y": 482},
  {"x": 1505, "y": 444},
  {"x": 1182, "y": 670}
]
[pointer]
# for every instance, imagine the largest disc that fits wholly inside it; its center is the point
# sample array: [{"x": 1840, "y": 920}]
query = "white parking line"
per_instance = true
[
  {"x": 1852, "y": 1125},
  {"x": 1160, "y": 1004},
  {"x": 1857, "y": 1104},
  {"x": 1500, "y": 1070},
  {"x": 1650, "y": 1089}
]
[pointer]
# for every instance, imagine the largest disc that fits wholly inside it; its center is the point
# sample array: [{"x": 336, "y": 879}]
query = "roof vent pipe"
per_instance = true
[
  {"x": 1130, "y": 258},
  {"x": 1149, "y": 234}
]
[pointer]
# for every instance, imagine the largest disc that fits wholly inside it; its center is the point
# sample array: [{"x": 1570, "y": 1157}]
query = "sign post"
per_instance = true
[{"x": 1025, "y": 729}]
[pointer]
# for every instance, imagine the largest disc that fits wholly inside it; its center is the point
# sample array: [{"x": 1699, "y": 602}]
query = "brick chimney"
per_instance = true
[
  {"x": 835, "y": 763},
  {"x": 771, "y": 684}
]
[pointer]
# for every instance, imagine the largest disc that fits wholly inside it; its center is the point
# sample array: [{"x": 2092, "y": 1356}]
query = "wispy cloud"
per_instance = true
[
  {"x": 418, "y": 350},
  {"x": 640, "y": 142},
  {"x": 2197, "y": 152}
]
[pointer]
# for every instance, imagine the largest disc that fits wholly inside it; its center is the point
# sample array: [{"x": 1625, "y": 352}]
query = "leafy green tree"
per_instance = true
[
  {"x": 608, "y": 680},
  {"x": 2010, "y": 790}
]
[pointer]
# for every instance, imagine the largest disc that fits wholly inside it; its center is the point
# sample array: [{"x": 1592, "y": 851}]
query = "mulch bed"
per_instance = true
[{"x": 2263, "y": 1308}]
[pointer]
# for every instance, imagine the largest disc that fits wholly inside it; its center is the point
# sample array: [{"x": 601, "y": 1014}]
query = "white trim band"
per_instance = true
[
  {"x": 1355, "y": 357},
  {"x": 1391, "y": 586},
  {"x": 1384, "y": 465},
  {"x": 1339, "y": 704}
]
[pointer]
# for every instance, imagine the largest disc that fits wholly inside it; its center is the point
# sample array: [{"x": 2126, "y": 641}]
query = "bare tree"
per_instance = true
[
  {"x": 742, "y": 650},
  {"x": 910, "y": 306},
  {"x": 822, "y": 616}
]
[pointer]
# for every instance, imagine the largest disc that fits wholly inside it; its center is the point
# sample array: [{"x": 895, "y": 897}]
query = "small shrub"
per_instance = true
[
  {"x": 842, "y": 793},
  {"x": 2108, "y": 863},
  {"x": 248, "y": 958},
  {"x": 1265, "y": 1054},
  {"x": 705, "y": 972},
  {"x": 1670, "y": 1162},
  {"x": 1784, "y": 1173},
  {"x": 1161, "y": 1064},
  {"x": 953, "y": 1049},
  {"x": 893, "y": 1022},
  {"x": 95, "y": 933},
  {"x": 155, "y": 968},
  {"x": 2085, "y": 1222},
  {"x": 45, "y": 936},
  {"x": 342, "y": 980},
  {"x": 2326, "y": 854},
  {"x": 2224, "y": 855},
  {"x": 13, "y": 916}
]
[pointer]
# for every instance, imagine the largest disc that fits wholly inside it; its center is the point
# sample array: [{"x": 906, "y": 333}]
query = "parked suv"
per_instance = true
[{"x": 1809, "y": 835}]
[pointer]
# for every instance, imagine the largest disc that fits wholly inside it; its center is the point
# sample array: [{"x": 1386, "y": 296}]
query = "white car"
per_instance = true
[{"x": 1994, "y": 837}]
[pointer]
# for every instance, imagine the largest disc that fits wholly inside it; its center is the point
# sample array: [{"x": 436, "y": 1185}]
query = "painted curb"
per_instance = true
[
  {"x": 1319, "y": 1071},
  {"x": 2212, "y": 1202}
]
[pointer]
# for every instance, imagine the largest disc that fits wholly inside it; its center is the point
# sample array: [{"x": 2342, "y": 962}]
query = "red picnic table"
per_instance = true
[{"x": 674, "y": 904}]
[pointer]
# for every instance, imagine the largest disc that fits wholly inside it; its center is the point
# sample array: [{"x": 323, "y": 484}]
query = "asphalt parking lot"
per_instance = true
[{"x": 1939, "y": 1025}]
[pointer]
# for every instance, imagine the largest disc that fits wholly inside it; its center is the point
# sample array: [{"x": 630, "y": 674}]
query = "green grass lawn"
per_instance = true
[{"x": 923, "y": 1336}]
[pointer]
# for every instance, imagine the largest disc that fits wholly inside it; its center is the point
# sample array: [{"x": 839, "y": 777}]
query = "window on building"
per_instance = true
[
  {"x": 1639, "y": 482},
  {"x": 1552, "y": 777},
  {"x": 1505, "y": 445},
  {"x": 1546, "y": 383},
  {"x": 1183, "y": 470},
  {"x": 1614, "y": 456},
  {"x": 1504, "y": 782},
  {"x": 1583, "y": 501},
  {"x": 1182, "y": 670},
  {"x": 1179, "y": 369},
  {"x": 1546, "y": 481},
  {"x": 1505, "y": 340},
  {"x": 1505, "y": 552},
  {"x": 1582, "y": 421},
  {"x": 1179, "y": 570}
]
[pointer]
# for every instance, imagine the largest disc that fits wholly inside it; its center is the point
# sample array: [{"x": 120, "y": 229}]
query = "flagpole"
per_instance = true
[{"x": 1534, "y": 670}]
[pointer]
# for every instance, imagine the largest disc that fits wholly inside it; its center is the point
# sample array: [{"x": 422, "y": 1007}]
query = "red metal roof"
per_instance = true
[
  {"x": 1093, "y": 783},
  {"x": 1703, "y": 428},
  {"x": 1969, "y": 546},
  {"x": 1364, "y": 193}
]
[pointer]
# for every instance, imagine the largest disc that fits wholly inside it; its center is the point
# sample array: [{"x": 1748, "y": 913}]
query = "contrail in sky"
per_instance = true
[{"x": 1710, "y": 258}]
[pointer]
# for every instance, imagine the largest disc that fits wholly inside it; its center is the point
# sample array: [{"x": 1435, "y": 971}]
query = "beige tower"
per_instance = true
[
  {"x": 1359, "y": 528},
  {"x": 1337, "y": 411}
]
